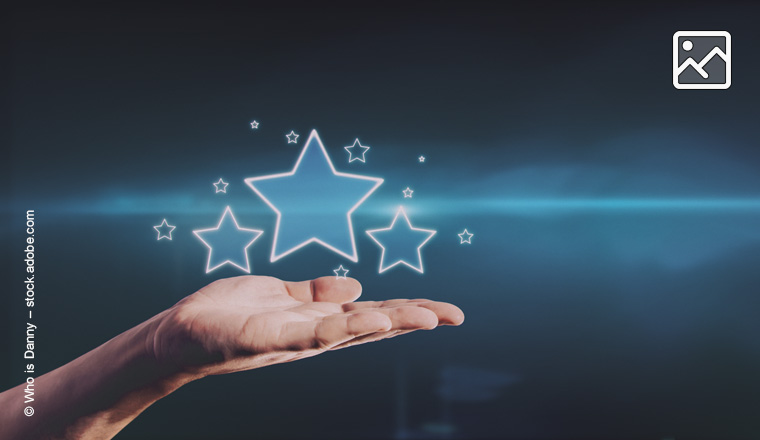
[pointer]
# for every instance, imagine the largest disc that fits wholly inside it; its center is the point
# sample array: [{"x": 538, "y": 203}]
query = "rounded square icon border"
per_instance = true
[{"x": 680, "y": 86}]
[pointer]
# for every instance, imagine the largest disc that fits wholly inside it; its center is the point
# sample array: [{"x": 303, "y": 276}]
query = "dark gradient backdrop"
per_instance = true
[{"x": 611, "y": 289}]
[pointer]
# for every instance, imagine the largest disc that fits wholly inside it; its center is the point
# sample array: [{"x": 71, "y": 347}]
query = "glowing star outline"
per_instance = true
[
  {"x": 407, "y": 193},
  {"x": 164, "y": 224},
  {"x": 350, "y": 149},
  {"x": 468, "y": 236},
  {"x": 340, "y": 273},
  {"x": 254, "y": 125},
  {"x": 354, "y": 256},
  {"x": 422, "y": 159},
  {"x": 223, "y": 189},
  {"x": 401, "y": 211},
  {"x": 198, "y": 232},
  {"x": 294, "y": 135}
]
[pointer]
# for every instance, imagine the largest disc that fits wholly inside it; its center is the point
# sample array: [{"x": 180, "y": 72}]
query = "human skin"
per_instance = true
[{"x": 233, "y": 324}]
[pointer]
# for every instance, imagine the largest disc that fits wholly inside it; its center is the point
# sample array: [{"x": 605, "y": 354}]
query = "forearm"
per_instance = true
[{"x": 95, "y": 395}]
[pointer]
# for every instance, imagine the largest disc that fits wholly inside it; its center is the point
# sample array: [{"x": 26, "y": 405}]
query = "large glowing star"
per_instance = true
[
  {"x": 314, "y": 202},
  {"x": 401, "y": 243},
  {"x": 228, "y": 243}
]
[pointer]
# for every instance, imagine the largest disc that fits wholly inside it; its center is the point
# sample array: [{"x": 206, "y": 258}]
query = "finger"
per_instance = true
[
  {"x": 448, "y": 314},
  {"x": 338, "y": 329},
  {"x": 377, "y": 304},
  {"x": 372, "y": 337},
  {"x": 325, "y": 289},
  {"x": 409, "y": 317},
  {"x": 332, "y": 330}
]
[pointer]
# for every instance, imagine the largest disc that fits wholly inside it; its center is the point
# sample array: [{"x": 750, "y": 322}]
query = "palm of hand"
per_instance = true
[{"x": 248, "y": 322}]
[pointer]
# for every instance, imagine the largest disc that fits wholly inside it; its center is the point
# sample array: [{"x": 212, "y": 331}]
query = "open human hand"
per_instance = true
[
  {"x": 232, "y": 324},
  {"x": 248, "y": 322}
]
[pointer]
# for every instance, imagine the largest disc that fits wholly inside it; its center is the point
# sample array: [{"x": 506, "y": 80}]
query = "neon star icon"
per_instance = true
[
  {"x": 407, "y": 193},
  {"x": 228, "y": 243},
  {"x": 292, "y": 137},
  {"x": 254, "y": 125},
  {"x": 401, "y": 243},
  {"x": 465, "y": 237},
  {"x": 164, "y": 230},
  {"x": 340, "y": 273},
  {"x": 221, "y": 186},
  {"x": 314, "y": 202},
  {"x": 353, "y": 154},
  {"x": 422, "y": 159}
]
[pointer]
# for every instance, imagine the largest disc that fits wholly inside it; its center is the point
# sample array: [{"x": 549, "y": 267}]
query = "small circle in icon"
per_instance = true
[
  {"x": 28, "y": 411},
  {"x": 687, "y": 45}
]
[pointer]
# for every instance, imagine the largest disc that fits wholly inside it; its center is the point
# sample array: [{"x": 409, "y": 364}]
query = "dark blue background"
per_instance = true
[{"x": 611, "y": 288}]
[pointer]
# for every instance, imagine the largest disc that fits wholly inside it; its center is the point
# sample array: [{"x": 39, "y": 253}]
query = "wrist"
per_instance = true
[
  {"x": 179, "y": 354},
  {"x": 162, "y": 341}
]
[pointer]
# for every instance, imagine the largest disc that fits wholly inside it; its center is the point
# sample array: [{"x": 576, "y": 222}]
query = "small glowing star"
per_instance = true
[
  {"x": 340, "y": 273},
  {"x": 292, "y": 137},
  {"x": 465, "y": 237},
  {"x": 221, "y": 186},
  {"x": 358, "y": 155},
  {"x": 164, "y": 230}
]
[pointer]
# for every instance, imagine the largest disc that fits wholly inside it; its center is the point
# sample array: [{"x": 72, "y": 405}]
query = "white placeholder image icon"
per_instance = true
[{"x": 702, "y": 60}]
